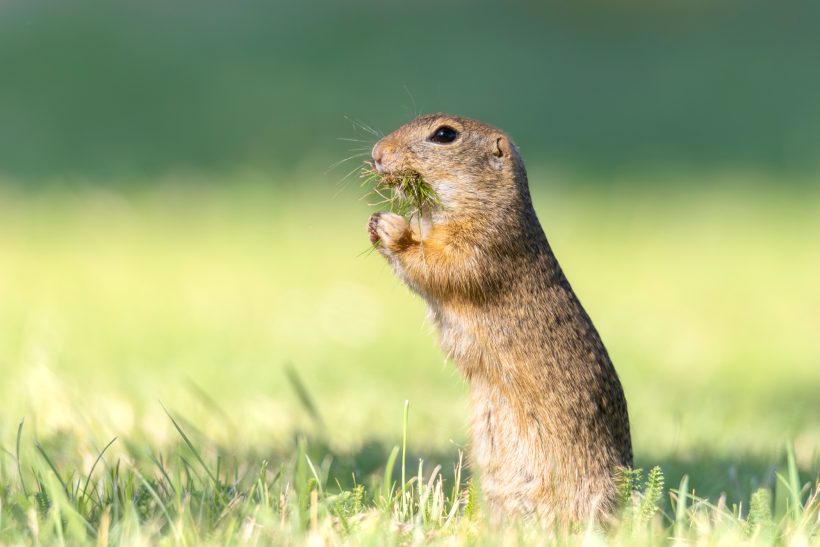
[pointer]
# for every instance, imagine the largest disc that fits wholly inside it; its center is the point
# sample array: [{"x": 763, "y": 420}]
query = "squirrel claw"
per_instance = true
[
  {"x": 371, "y": 228},
  {"x": 387, "y": 229}
]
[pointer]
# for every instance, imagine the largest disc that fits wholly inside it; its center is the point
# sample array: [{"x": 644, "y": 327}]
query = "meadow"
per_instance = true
[{"x": 249, "y": 364}]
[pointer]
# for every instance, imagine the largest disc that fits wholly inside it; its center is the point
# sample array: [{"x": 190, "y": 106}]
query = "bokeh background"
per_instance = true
[{"x": 178, "y": 226}]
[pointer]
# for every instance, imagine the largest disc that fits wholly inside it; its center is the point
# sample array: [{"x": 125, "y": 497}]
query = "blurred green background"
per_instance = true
[
  {"x": 97, "y": 87},
  {"x": 173, "y": 228}
]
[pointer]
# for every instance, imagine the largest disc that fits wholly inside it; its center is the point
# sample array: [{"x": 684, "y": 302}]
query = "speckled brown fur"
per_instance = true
[{"x": 549, "y": 419}]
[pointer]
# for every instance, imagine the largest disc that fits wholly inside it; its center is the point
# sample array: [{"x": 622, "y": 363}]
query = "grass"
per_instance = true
[
  {"x": 282, "y": 360},
  {"x": 195, "y": 493},
  {"x": 404, "y": 193}
]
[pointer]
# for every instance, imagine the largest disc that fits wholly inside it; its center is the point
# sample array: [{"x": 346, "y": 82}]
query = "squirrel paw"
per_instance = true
[{"x": 387, "y": 229}]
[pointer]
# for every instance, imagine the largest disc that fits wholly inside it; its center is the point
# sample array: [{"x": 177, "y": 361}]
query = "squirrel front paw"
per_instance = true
[{"x": 388, "y": 230}]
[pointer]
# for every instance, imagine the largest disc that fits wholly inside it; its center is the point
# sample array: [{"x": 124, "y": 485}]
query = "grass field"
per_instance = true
[{"x": 253, "y": 364}]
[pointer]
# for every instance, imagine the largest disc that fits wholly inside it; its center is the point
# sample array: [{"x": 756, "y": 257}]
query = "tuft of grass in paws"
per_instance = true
[{"x": 404, "y": 193}]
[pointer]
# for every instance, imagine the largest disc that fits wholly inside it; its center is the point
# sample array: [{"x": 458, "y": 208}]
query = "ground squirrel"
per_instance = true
[{"x": 549, "y": 421}]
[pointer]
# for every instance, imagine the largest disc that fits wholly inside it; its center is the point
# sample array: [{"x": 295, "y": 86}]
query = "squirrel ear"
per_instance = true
[{"x": 502, "y": 147}]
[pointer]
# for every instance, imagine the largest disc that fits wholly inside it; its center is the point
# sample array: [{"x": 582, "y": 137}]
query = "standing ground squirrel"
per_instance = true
[{"x": 550, "y": 428}]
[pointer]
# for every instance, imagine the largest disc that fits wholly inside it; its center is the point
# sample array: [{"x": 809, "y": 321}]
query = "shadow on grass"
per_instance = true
[{"x": 709, "y": 475}]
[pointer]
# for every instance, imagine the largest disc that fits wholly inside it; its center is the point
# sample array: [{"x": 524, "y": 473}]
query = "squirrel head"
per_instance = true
[{"x": 473, "y": 167}]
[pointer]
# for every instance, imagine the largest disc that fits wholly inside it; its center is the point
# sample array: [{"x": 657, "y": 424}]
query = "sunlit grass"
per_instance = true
[
  {"x": 195, "y": 492},
  {"x": 200, "y": 296}
]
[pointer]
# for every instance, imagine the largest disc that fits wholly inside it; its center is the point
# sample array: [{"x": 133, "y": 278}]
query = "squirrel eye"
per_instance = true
[{"x": 443, "y": 135}]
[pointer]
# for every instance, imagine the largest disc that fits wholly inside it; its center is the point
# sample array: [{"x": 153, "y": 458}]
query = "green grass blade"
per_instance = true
[
  {"x": 795, "y": 490},
  {"x": 301, "y": 484},
  {"x": 159, "y": 501},
  {"x": 91, "y": 471},
  {"x": 314, "y": 473},
  {"x": 17, "y": 457},
  {"x": 680, "y": 509},
  {"x": 404, "y": 445},
  {"x": 159, "y": 464},
  {"x": 303, "y": 395},
  {"x": 53, "y": 469},
  {"x": 387, "y": 483},
  {"x": 196, "y": 454}
]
